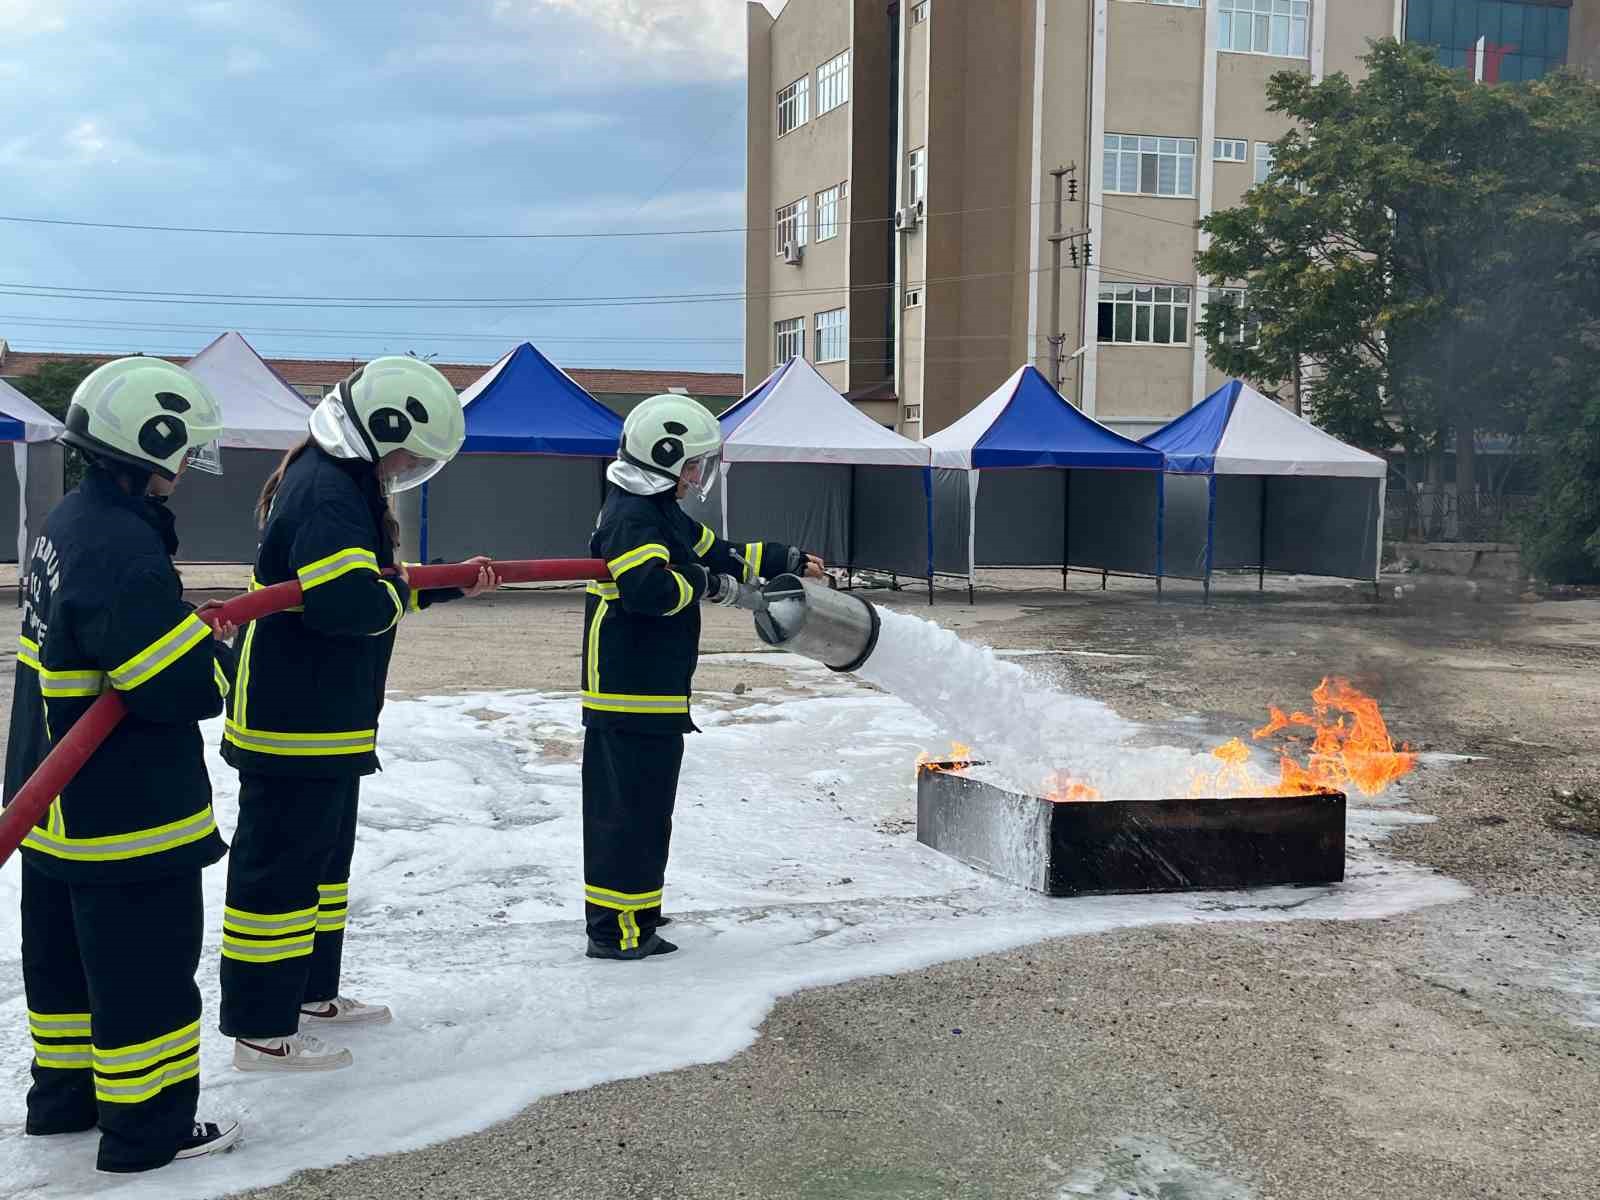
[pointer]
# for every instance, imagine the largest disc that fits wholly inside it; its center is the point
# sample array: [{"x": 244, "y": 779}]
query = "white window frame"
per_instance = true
[
  {"x": 913, "y": 298},
  {"x": 792, "y": 223},
  {"x": 1178, "y": 3},
  {"x": 1264, "y": 160},
  {"x": 1277, "y": 28},
  {"x": 1230, "y": 150},
  {"x": 794, "y": 103},
  {"x": 788, "y": 335},
  {"x": 832, "y": 336},
  {"x": 1247, "y": 333},
  {"x": 1148, "y": 154},
  {"x": 917, "y": 174},
  {"x": 1146, "y": 301},
  {"x": 911, "y": 413},
  {"x": 919, "y": 12},
  {"x": 833, "y": 83},
  {"x": 829, "y": 203}
]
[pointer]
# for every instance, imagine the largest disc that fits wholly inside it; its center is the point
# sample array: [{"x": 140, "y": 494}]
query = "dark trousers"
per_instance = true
[
  {"x": 288, "y": 891},
  {"x": 114, "y": 1011},
  {"x": 630, "y": 784}
]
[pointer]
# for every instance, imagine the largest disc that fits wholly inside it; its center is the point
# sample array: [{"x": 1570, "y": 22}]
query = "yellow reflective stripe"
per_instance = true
[
  {"x": 606, "y": 591},
  {"x": 637, "y": 557},
  {"x": 221, "y": 677},
  {"x": 606, "y": 898},
  {"x": 267, "y": 950},
  {"x": 326, "y": 570},
  {"x": 292, "y": 745},
  {"x": 592, "y": 668},
  {"x": 399, "y": 609},
  {"x": 333, "y": 906},
  {"x": 140, "y": 1088},
  {"x": 63, "y": 1057},
  {"x": 58, "y": 684},
  {"x": 160, "y": 654},
  {"x": 58, "y": 1025},
  {"x": 331, "y": 891},
  {"x": 332, "y": 921},
  {"x": 142, "y": 1055},
  {"x": 630, "y": 929},
  {"x": 27, "y": 652},
  {"x": 237, "y": 920},
  {"x": 55, "y": 823},
  {"x": 752, "y": 560},
  {"x": 241, "y": 688},
  {"x": 707, "y": 540},
  {"x": 685, "y": 595},
  {"x": 119, "y": 846},
  {"x": 615, "y": 702}
]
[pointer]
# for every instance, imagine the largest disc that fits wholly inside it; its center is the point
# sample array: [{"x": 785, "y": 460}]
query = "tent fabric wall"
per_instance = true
[
  {"x": 33, "y": 485},
  {"x": 803, "y": 504},
  {"x": 1129, "y": 544},
  {"x": 1184, "y": 525},
  {"x": 1323, "y": 527},
  {"x": 215, "y": 514},
  {"x": 889, "y": 521},
  {"x": 952, "y": 510},
  {"x": 1022, "y": 518},
  {"x": 514, "y": 506},
  {"x": 1237, "y": 526}
]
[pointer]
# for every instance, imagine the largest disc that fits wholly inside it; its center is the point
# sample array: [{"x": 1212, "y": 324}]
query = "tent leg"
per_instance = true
[
  {"x": 1103, "y": 576},
  {"x": 1063, "y": 579},
  {"x": 1208, "y": 590},
  {"x": 1261, "y": 579},
  {"x": 1158, "y": 589},
  {"x": 972, "y": 596},
  {"x": 930, "y": 591}
]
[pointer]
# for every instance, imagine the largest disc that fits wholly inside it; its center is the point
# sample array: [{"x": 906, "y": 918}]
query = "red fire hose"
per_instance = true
[{"x": 81, "y": 741}]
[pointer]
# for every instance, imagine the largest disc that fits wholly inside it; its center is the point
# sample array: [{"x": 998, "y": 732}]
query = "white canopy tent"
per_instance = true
[
  {"x": 262, "y": 417},
  {"x": 27, "y": 497},
  {"x": 801, "y": 464},
  {"x": 1251, "y": 485}
]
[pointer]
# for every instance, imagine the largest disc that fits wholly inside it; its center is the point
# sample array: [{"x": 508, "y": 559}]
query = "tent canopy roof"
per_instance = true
[
  {"x": 21, "y": 420},
  {"x": 1238, "y": 431},
  {"x": 525, "y": 404},
  {"x": 259, "y": 410},
  {"x": 796, "y": 416},
  {"x": 1027, "y": 423}
]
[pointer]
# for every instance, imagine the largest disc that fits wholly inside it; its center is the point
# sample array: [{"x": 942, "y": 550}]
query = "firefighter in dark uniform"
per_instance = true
[
  {"x": 302, "y": 726},
  {"x": 111, "y": 906},
  {"x": 641, "y": 640}
]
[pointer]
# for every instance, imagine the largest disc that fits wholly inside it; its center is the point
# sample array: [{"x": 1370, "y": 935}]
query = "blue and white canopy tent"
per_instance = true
[
  {"x": 531, "y": 476},
  {"x": 801, "y": 464},
  {"x": 1254, "y": 486},
  {"x": 1027, "y": 480},
  {"x": 28, "y": 495}
]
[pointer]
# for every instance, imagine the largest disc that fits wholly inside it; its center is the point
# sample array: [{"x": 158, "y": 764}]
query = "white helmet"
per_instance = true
[
  {"x": 673, "y": 437},
  {"x": 393, "y": 403},
  {"x": 146, "y": 413}
]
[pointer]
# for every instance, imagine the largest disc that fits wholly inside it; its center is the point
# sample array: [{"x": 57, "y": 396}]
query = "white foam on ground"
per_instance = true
[{"x": 794, "y": 865}]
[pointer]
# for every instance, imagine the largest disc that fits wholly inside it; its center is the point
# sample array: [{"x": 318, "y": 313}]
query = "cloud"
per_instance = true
[
  {"x": 24, "y": 18},
  {"x": 656, "y": 39}
]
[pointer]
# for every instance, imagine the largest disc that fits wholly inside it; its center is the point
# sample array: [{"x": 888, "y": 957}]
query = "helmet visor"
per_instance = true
[
  {"x": 701, "y": 474},
  {"x": 207, "y": 458},
  {"x": 401, "y": 470}
]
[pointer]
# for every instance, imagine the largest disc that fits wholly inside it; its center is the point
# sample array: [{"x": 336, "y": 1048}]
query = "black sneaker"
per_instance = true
[
  {"x": 209, "y": 1137},
  {"x": 653, "y": 946}
]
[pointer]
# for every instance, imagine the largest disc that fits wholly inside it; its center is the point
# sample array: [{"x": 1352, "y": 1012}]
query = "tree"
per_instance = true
[
  {"x": 1403, "y": 247},
  {"x": 50, "y": 386}
]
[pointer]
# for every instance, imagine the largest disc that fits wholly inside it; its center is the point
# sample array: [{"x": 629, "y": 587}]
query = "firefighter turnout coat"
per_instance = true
[
  {"x": 641, "y": 634},
  {"x": 311, "y": 679},
  {"x": 103, "y": 609}
]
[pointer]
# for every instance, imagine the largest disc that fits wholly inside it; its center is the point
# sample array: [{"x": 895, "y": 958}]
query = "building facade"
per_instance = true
[{"x": 901, "y": 202}]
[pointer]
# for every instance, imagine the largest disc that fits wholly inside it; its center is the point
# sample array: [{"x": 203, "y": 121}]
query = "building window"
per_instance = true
[
  {"x": 828, "y": 211},
  {"x": 914, "y": 298},
  {"x": 1520, "y": 41},
  {"x": 918, "y": 182},
  {"x": 790, "y": 339},
  {"x": 1149, "y": 166},
  {"x": 792, "y": 105},
  {"x": 1264, "y": 26},
  {"x": 833, "y": 342},
  {"x": 1245, "y": 335},
  {"x": 913, "y": 412},
  {"x": 919, "y": 13},
  {"x": 833, "y": 83},
  {"x": 792, "y": 223},
  {"x": 1230, "y": 150},
  {"x": 1178, "y": 3},
  {"x": 1263, "y": 161},
  {"x": 1144, "y": 314}
]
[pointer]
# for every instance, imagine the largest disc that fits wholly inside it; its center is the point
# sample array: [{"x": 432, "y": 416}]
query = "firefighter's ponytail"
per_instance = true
[{"x": 269, "y": 489}]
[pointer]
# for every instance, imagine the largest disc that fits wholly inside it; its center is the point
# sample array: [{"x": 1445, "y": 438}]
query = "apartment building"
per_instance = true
[{"x": 900, "y": 196}]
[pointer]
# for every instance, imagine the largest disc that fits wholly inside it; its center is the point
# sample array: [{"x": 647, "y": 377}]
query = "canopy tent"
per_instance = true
[
  {"x": 803, "y": 465},
  {"x": 32, "y": 490},
  {"x": 1256, "y": 486},
  {"x": 262, "y": 417},
  {"x": 532, "y": 473},
  {"x": 1058, "y": 489}
]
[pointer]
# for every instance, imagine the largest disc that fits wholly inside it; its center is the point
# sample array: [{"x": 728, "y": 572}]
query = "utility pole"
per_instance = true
[{"x": 1066, "y": 188}]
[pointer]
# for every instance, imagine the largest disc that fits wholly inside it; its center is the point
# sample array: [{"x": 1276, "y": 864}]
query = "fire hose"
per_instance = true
[{"x": 84, "y": 738}]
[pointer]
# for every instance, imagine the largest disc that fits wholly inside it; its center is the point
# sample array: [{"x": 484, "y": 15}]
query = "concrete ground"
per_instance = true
[{"x": 1452, "y": 1052}]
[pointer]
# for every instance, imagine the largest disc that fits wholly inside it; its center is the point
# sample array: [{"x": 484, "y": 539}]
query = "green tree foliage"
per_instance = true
[{"x": 1414, "y": 250}]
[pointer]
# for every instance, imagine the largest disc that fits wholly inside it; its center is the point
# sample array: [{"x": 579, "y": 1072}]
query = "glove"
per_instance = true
[
  {"x": 697, "y": 575},
  {"x": 798, "y": 561}
]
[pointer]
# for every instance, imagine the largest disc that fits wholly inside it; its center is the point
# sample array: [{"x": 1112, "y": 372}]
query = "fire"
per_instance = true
[
  {"x": 956, "y": 761},
  {"x": 1350, "y": 748},
  {"x": 1062, "y": 788}
]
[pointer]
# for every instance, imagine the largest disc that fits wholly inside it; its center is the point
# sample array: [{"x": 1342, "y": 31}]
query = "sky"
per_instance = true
[{"x": 465, "y": 117}]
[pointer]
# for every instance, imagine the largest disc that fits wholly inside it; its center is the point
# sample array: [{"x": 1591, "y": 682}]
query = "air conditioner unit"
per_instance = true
[
  {"x": 922, "y": 208},
  {"x": 793, "y": 252},
  {"x": 907, "y": 219}
]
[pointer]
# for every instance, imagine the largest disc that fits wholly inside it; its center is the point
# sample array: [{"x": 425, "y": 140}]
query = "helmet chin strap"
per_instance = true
[{"x": 335, "y": 428}]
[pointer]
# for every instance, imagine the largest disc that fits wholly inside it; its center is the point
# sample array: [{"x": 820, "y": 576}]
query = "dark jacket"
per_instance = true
[
  {"x": 311, "y": 680},
  {"x": 104, "y": 609},
  {"x": 641, "y": 630}
]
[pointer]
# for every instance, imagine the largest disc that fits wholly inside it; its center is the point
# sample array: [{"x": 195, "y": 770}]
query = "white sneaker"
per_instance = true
[
  {"x": 342, "y": 1010},
  {"x": 302, "y": 1052},
  {"x": 210, "y": 1137}
]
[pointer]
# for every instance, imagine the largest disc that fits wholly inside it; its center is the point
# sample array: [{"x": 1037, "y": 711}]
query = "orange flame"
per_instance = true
[
  {"x": 1061, "y": 788},
  {"x": 955, "y": 762}
]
